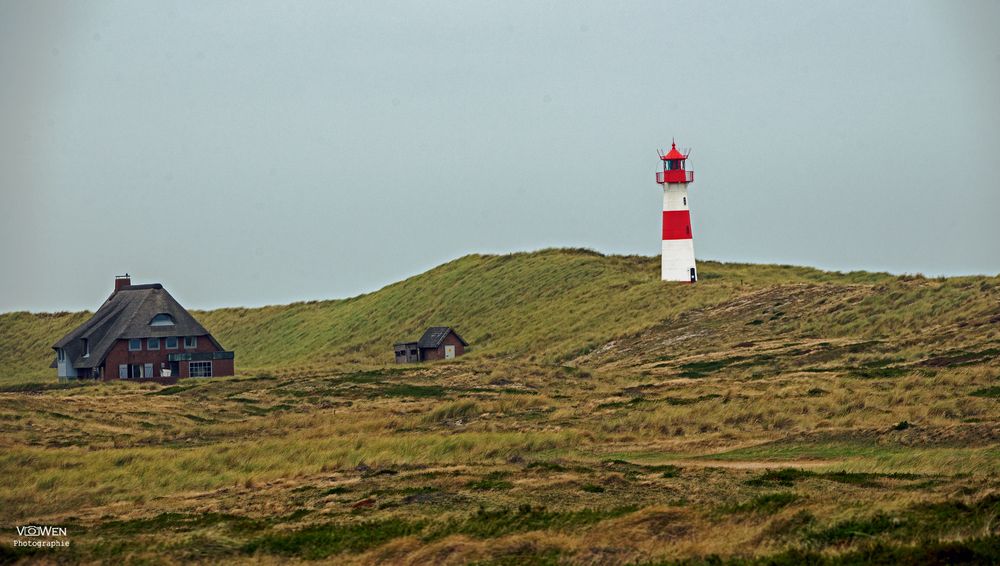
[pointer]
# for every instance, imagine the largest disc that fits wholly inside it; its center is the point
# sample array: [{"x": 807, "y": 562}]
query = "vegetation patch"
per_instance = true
[
  {"x": 984, "y": 550},
  {"x": 989, "y": 392},
  {"x": 788, "y": 476},
  {"x": 499, "y": 522},
  {"x": 37, "y": 387},
  {"x": 180, "y": 522},
  {"x": 525, "y": 555},
  {"x": 958, "y": 358},
  {"x": 766, "y": 504},
  {"x": 546, "y": 466},
  {"x": 785, "y": 477},
  {"x": 632, "y": 470},
  {"x": 701, "y": 369},
  {"x": 321, "y": 541},
  {"x": 494, "y": 481},
  {"x": 172, "y": 390},
  {"x": 690, "y": 400},
  {"x": 878, "y": 372},
  {"x": 902, "y": 425},
  {"x": 918, "y": 521},
  {"x": 370, "y": 376},
  {"x": 669, "y": 471},
  {"x": 457, "y": 410},
  {"x": 409, "y": 390},
  {"x": 633, "y": 402}
]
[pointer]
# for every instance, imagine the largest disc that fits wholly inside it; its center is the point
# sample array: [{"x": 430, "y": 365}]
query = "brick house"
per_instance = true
[
  {"x": 437, "y": 343},
  {"x": 142, "y": 333}
]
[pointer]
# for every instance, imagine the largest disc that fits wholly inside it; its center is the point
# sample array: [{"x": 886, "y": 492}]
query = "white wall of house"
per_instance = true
[{"x": 65, "y": 366}]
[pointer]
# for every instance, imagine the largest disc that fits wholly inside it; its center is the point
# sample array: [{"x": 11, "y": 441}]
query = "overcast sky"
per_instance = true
[{"x": 249, "y": 153}]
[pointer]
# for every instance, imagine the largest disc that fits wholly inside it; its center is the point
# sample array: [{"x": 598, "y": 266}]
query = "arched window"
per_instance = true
[{"x": 162, "y": 319}]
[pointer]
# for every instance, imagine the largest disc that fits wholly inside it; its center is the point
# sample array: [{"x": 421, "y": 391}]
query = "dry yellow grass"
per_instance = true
[{"x": 769, "y": 419}]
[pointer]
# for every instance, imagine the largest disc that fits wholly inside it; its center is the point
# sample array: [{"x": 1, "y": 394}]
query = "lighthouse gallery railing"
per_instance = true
[{"x": 675, "y": 176}]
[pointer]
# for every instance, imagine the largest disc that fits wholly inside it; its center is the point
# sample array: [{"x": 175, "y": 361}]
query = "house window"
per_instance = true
[
  {"x": 86, "y": 348},
  {"x": 200, "y": 369},
  {"x": 61, "y": 354},
  {"x": 134, "y": 345},
  {"x": 172, "y": 343},
  {"x": 190, "y": 342},
  {"x": 162, "y": 319},
  {"x": 153, "y": 344}
]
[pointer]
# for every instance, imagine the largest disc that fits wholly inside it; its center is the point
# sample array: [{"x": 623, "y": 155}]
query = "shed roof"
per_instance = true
[
  {"x": 434, "y": 335},
  {"x": 127, "y": 314}
]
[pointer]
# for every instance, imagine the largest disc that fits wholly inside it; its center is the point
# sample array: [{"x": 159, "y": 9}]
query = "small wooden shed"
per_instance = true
[{"x": 437, "y": 343}]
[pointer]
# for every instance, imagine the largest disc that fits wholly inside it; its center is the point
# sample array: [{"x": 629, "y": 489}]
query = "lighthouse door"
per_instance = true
[{"x": 694, "y": 276}]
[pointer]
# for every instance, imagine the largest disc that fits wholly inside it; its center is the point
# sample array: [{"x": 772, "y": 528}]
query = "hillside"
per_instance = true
[
  {"x": 768, "y": 414},
  {"x": 551, "y": 305}
]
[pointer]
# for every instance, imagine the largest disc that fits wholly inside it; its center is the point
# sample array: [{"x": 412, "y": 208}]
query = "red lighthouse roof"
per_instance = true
[{"x": 673, "y": 154}]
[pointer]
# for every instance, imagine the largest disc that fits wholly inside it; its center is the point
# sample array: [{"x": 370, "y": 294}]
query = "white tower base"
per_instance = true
[{"x": 678, "y": 260}]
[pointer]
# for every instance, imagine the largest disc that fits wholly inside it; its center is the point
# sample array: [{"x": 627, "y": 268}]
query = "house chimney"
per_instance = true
[{"x": 122, "y": 281}]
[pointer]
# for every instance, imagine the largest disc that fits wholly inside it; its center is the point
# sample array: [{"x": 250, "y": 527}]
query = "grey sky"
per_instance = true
[{"x": 256, "y": 153}]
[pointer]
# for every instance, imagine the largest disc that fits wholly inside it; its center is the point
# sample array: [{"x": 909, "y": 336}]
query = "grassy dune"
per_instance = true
[
  {"x": 769, "y": 413},
  {"x": 545, "y": 306}
]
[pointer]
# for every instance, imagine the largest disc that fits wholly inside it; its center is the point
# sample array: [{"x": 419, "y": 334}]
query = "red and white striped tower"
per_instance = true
[{"x": 678, "y": 246}]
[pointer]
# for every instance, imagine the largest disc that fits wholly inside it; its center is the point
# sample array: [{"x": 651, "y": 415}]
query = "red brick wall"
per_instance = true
[
  {"x": 222, "y": 368},
  {"x": 438, "y": 353},
  {"x": 120, "y": 354}
]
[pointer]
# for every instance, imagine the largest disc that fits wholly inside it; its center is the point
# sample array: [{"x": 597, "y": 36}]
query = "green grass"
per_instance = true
[
  {"x": 181, "y": 522},
  {"x": 321, "y": 541},
  {"x": 789, "y": 476},
  {"x": 766, "y": 504},
  {"x": 415, "y": 391},
  {"x": 701, "y": 369},
  {"x": 989, "y": 392},
  {"x": 498, "y": 522},
  {"x": 918, "y": 521},
  {"x": 550, "y": 304},
  {"x": 172, "y": 390},
  {"x": 494, "y": 481}
]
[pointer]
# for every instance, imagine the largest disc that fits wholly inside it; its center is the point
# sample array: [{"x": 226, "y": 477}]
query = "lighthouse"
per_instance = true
[{"x": 678, "y": 245}]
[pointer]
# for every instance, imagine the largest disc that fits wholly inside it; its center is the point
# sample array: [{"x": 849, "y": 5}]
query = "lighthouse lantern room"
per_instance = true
[{"x": 677, "y": 263}]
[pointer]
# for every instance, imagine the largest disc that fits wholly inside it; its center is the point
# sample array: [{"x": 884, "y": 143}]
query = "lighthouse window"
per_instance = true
[{"x": 685, "y": 201}]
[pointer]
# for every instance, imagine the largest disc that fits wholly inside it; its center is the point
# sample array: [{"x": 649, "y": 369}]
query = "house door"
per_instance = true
[
  {"x": 122, "y": 371},
  {"x": 449, "y": 351}
]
